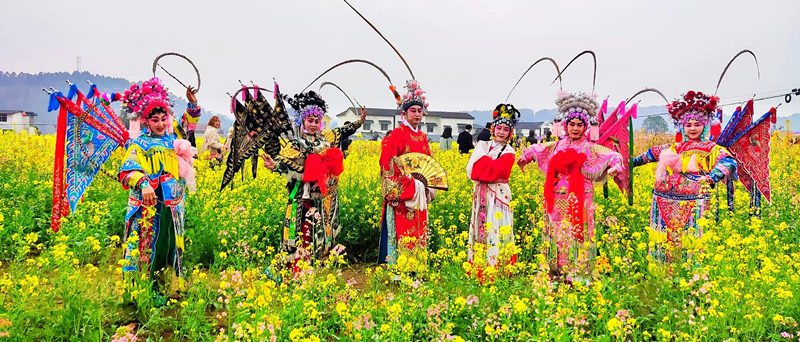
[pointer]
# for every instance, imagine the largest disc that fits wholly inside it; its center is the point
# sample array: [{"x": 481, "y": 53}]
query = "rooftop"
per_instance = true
[{"x": 8, "y": 111}]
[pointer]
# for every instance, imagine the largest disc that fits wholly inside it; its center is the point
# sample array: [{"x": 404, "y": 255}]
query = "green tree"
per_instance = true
[{"x": 655, "y": 124}]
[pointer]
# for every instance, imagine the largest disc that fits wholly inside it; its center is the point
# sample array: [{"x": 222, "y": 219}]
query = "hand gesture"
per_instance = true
[
  {"x": 430, "y": 194},
  {"x": 190, "y": 91},
  {"x": 268, "y": 162},
  {"x": 613, "y": 173},
  {"x": 363, "y": 114},
  {"x": 148, "y": 196},
  {"x": 522, "y": 162}
]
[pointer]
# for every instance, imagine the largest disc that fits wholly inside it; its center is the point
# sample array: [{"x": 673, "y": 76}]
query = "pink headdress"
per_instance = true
[
  {"x": 139, "y": 101},
  {"x": 412, "y": 97}
]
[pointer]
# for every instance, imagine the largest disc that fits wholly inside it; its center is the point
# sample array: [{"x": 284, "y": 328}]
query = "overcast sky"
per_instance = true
[{"x": 466, "y": 54}]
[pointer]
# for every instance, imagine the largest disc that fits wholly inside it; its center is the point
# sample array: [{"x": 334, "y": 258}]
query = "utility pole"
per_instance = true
[{"x": 78, "y": 62}]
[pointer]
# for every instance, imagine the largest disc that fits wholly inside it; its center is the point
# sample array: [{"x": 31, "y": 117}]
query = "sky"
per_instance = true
[{"x": 466, "y": 54}]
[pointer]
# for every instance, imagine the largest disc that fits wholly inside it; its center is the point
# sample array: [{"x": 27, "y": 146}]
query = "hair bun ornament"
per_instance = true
[{"x": 505, "y": 113}]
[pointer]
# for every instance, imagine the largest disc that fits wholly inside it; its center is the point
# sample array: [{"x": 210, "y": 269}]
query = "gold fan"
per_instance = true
[{"x": 424, "y": 168}]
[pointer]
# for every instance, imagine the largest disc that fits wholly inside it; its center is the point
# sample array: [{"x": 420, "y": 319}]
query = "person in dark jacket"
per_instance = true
[
  {"x": 465, "y": 140},
  {"x": 532, "y": 138},
  {"x": 485, "y": 134}
]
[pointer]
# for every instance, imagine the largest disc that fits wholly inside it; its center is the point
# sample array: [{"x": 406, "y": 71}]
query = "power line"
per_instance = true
[{"x": 787, "y": 97}]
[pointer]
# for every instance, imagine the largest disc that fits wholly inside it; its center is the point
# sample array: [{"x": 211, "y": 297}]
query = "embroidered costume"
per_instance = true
[
  {"x": 155, "y": 234},
  {"x": 572, "y": 168},
  {"x": 405, "y": 216},
  {"x": 490, "y": 230},
  {"x": 312, "y": 164},
  {"x": 679, "y": 196}
]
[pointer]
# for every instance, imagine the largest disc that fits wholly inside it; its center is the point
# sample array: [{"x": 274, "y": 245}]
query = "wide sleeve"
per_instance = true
[
  {"x": 600, "y": 160},
  {"x": 395, "y": 185},
  {"x": 490, "y": 170},
  {"x": 291, "y": 159},
  {"x": 650, "y": 156},
  {"x": 336, "y": 135},
  {"x": 726, "y": 165},
  {"x": 540, "y": 153},
  {"x": 190, "y": 117}
]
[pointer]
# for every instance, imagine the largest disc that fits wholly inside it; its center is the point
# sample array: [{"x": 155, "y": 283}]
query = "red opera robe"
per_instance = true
[{"x": 401, "y": 227}]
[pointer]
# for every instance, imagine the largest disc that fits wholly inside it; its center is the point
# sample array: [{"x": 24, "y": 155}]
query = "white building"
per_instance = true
[
  {"x": 539, "y": 128},
  {"x": 380, "y": 121},
  {"x": 17, "y": 120}
]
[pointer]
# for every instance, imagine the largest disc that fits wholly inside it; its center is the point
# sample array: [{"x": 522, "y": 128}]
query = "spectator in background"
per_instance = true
[
  {"x": 446, "y": 138},
  {"x": 485, "y": 134},
  {"x": 531, "y": 138},
  {"x": 211, "y": 142},
  {"x": 465, "y": 140}
]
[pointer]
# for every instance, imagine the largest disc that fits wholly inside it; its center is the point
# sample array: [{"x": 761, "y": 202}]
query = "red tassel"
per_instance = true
[{"x": 678, "y": 137}]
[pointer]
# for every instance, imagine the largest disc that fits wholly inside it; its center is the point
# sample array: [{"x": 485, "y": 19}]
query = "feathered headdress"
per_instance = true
[
  {"x": 505, "y": 113},
  {"x": 307, "y": 104},
  {"x": 141, "y": 99},
  {"x": 412, "y": 97}
]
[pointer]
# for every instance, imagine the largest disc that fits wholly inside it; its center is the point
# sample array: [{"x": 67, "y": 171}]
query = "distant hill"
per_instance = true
[
  {"x": 528, "y": 115},
  {"x": 23, "y": 91}
]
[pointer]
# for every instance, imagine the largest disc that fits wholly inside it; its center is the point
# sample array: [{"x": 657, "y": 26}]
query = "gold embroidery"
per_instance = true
[
  {"x": 596, "y": 149},
  {"x": 330, "y": 136},
  {"x": 420, "y": 137}
]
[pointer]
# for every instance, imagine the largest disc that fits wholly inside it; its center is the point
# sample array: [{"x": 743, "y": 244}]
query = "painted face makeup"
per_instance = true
[
  {"x": 414, "y": 115},
  {"x": 693, "y": 129},
  {"x": 311, "y": 124},
  {"x": 158, "y": 123},
  {"x": 575, "y": 129},
  {"x": 501, "y": 132}
]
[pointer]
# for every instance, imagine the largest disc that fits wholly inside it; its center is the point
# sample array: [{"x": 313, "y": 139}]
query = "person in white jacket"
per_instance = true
[
  {"x": 491, "y": 236},
  {"x": 211, "y": 142}
]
